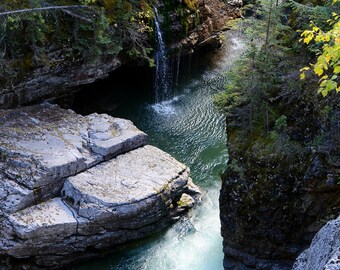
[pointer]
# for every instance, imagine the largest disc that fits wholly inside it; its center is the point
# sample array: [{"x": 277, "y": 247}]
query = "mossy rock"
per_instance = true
[
  {"x": 186, "y": 201},
  {"x": 190, "y": 4}
]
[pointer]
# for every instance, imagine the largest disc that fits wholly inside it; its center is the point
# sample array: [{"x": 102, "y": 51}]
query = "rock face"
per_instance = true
[
  {"x": 72, "y": 186},
  {"x": 324, "y": 252},
  {"x": 268, "y": 217},
  {"x": 203, "y": 23},
  {"x": 214, "y": 16},
  {"x": 193, "y": 24},
  {"x": 46, "y": 82},
  {"x": 41, "y": 145},
  {"x": 277, "y": 193}
]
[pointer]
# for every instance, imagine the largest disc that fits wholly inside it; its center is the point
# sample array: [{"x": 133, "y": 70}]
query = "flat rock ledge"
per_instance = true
[{"x": 72, "y": 187}]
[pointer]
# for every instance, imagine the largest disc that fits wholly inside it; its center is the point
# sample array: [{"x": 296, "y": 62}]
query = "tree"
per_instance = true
[{"x": 327, "y": 65}]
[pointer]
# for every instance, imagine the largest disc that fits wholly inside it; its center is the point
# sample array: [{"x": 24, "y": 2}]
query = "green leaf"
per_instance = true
[{"x": 337, "y": 70}]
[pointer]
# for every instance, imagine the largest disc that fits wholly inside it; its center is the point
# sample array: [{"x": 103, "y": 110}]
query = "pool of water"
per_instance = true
[{"x": 189, "y": 128}]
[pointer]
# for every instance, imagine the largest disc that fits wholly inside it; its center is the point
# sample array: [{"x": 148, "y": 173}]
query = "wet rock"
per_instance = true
[{"x": 186, "y": 201}]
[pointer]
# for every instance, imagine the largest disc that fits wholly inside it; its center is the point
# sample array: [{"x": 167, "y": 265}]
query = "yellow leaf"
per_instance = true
[
  {"x": 307, "y": 39},
  {"x": 302, "y": 76},
  {"x": 318, "y": 70},
  {"x": 304, "y": 68}
]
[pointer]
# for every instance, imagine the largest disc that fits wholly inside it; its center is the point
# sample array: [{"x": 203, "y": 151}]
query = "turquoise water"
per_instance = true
[{"x": 188, "y": 127}]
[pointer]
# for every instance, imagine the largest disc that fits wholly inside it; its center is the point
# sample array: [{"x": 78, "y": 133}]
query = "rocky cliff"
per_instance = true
[
  {"x": 78, "y": 46},
  {"x": 198, "y": 23},
  {"x": 270, "y": 214},
  {"x": 74, "y": 186},
  {"x": 281, "y": 185},
  {"x": 282, "y": 182},
  {"x": 324, "y": 252}
]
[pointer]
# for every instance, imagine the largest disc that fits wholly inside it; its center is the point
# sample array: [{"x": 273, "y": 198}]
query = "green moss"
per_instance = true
[{"x": 3, "y": 155}]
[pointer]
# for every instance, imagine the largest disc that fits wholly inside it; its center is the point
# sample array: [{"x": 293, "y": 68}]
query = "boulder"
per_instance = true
[
  {"x": 72, "y": 187},
  {"x": 128, "y": 197},
  {"x": 41, "y": 145}
]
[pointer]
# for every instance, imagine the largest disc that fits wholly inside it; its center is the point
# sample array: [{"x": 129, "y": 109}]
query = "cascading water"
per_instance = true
[
  {"x": 189, "y": 128},
  {"x": 162, "y": 76}
]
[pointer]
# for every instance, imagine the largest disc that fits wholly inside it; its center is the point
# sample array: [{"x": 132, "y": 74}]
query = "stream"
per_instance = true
[{"x": 188, "y": 127}]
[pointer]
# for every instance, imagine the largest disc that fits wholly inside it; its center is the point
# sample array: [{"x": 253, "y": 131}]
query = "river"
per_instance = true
[{"x": 189, "y": 128}]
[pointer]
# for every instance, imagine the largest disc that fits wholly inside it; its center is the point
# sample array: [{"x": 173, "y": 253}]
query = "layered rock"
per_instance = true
[
  {"x": 72, "y": 186},
  {"x": 52, "y": 81},
  {"x": 42, "y": 144},
  {"x": 324, "y": 252},
  {"x": 203, "y": 22}
]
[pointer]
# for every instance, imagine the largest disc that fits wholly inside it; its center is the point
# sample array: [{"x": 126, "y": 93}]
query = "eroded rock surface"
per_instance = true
[
  {"x": 72, "y": 183},
  {"x": 41, "y": 145},
  {"x": 324, "y": 252},
  {"x": 213, "y": 17},
  {"x": 51, "y": 81}
]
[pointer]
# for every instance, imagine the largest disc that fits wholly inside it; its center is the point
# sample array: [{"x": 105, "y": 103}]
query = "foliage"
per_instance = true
[
  {"x": 281, "y": 123},
  {"x": 95, "y": 28},
  {"x": 191, "y": 4},
  {"x": 302, "y": 14},
  {"x": 271, "y": 114},
  {"x": 327, "y": 66},
  {"x": 254, "y": 82}
]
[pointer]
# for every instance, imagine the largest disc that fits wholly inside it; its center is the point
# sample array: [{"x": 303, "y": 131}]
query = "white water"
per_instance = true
[
  {"x": 162, "y": 75},
  {"x": 166, "y": 107},
  {"x": 189, "y": 128}
]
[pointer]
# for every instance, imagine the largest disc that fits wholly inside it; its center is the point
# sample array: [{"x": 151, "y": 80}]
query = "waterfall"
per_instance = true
[{"x": 162, "y": 76}]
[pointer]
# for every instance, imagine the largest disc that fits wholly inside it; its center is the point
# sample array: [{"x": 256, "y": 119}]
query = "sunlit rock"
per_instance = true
[
  {"x": 72, "y": 186},
  {"x": 42, "y": 144}
]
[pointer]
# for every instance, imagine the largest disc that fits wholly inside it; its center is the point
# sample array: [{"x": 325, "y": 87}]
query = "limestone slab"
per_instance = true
[
  {"x": 120, "y": 183},
  {"x": 42, "y": 144},
  {"x": 49, "y": 220},
  {"x": 128, "y": 197}
]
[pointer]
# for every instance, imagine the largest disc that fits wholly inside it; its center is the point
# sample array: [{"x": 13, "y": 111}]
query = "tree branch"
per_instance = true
[
  {"x": 76, "y": 15},
  {"x": 40, "y": 9}
]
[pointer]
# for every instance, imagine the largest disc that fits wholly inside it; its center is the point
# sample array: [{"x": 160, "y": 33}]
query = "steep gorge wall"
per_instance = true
[
  {"x": 270, "y": 214},
  {"x": 282, "y": 183},
  {"x": 83, "y": 54}
]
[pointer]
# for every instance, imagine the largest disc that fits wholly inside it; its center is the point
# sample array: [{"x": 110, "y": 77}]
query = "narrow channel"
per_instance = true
[{"x": 189, "y": 128}]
